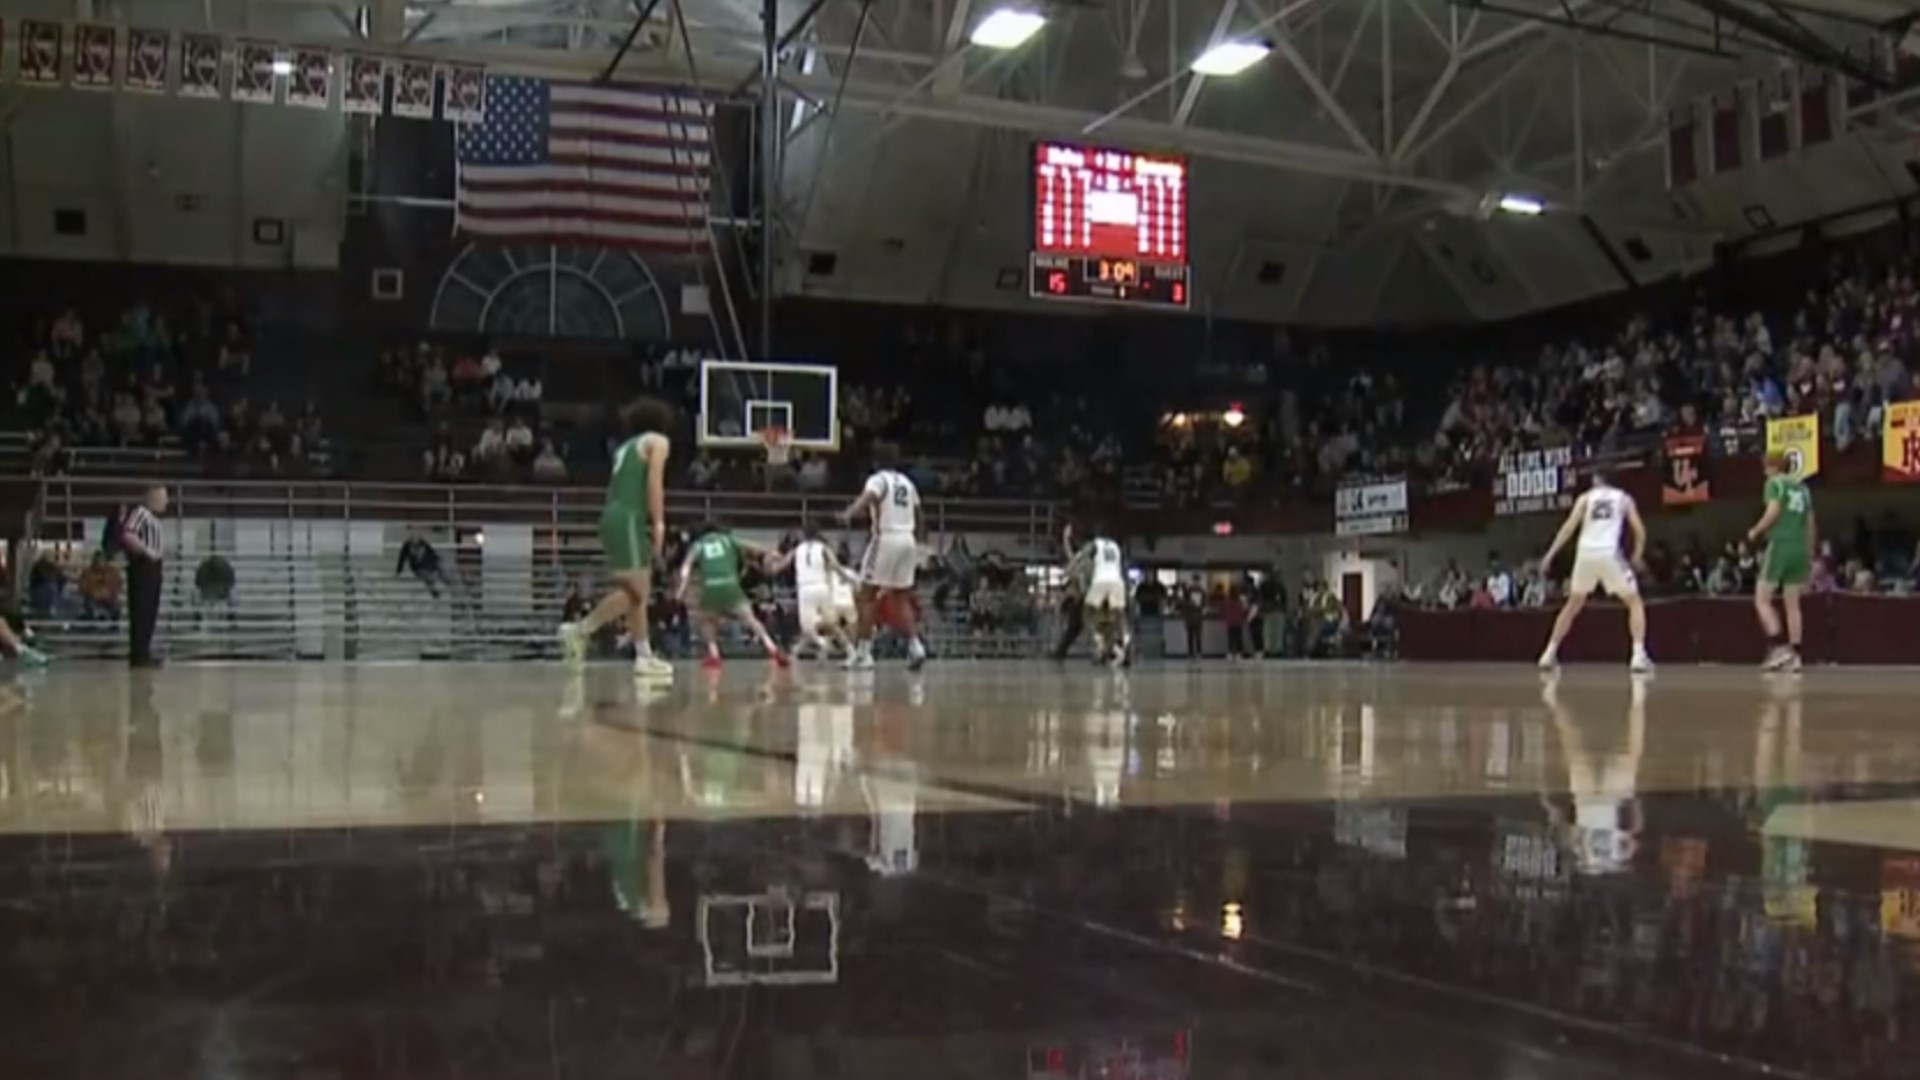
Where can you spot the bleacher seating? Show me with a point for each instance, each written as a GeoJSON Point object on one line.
{"type": "Point", "coordinates": [296, 597]}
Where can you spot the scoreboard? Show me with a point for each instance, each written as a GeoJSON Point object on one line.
{"type": "Point", "coordinates": [1108, 226]}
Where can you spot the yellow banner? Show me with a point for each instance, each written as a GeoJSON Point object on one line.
{"type": "Point", "coordinates": [1900, 443]}
{"type": "Point", "coordinates": [1798, 437]}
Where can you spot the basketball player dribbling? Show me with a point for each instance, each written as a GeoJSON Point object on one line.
{"type": "Point", "coordinates": [815, 572]}
{"type": "Point", "coordinates": [891, 503]}
{"type": "Point", "coordinates": [1598, 515]}
{"type": "Point", "coordinates": [633, 530]}
{"type": "Point", "coordinates": [1106, 596]}
{"type": "Point", "coordinates": [715, 558]}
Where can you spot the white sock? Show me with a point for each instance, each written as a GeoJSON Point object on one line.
{"type": "Point", "coordinates": [642, 649]}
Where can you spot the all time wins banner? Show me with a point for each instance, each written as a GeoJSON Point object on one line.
{"type": "Point", "coordinates": [102, 57]}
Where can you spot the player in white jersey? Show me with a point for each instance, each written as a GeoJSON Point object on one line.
{"type": "Point", "coordinates": [816, 569]}
{"type": "Point", "coordinates": [1106, 596]}
{"type": "Point", "coordinates": [1598, 516]}
{"type": "Point", "coordinates": [891, 502]}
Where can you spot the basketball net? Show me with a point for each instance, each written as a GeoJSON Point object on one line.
{"type": "Point", "coordinates": [778, 444]}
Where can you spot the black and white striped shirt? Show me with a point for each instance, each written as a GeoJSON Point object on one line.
{"type": "Point", "coordinates": [141, 525]}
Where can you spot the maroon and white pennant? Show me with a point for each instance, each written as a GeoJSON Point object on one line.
{"type": "Point", "coordinates": [413, 90]}
{"type": "Point", "coordinates": [40, 52]}
{"type": "Point", "coordinates": [311, 84]}
{"type": "Point", "coordinates": [93, 56]}
{"type": "Point", "coordinates": [146, 65]}
{"type": "Point", "coordinates": [254, 76]}
{"type": "Point", "coordinates": [200, 66]}
{"type": "Point", "coordinates": [365, 89]}
{"type": "Point", "coordinates": [466, 93]}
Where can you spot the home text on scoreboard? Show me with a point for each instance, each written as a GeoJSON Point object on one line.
{"type": "Point", "coordinates": [1109, 226]}
{"type": "Point", "coordinates": [1533, 481]}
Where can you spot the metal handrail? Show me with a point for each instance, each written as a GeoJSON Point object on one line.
{"type": "Point", "coordinates": [72, 499]}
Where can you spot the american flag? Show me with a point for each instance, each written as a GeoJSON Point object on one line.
{"type": "Point", "coordinates": [590, 165]}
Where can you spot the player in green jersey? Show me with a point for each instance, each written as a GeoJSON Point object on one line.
{"type": "Point", "coordinates": [1788, 524]}
{"type": "Point", "coordinates": [633, 529]}
{"type": "Point", "coordinates": [715, 558]}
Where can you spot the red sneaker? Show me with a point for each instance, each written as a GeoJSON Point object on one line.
{"type": "Point", "coordinates": [711, 663]}
{"type": "Point", "coordinates": [780, 659]}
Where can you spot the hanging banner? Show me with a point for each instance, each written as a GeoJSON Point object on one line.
{"type": "Point", "coordinates": [466, 93]}
{"type": "Point", "coordinates": [365, 88]}
{"type": "Point", "coordinates": [200, 66]}
{"type": "Point", "coordinates": [311, 84]}
{"type": "Point", "coordinates": [254, 79]}
{"type": "Point", "coordinates": [93, 56]}
{"type": "Point", "coordinates": [1900, 896]}
{"type": "Point", "coordinates": [1534, 481]}
{"type": "Point", "coordinates": [1685, 481]}
{"type": "Point", "coordinates": [40, 52]}
{"type": "Point", "coordinates": [1900, 442]}
{"type": "Point", "coordinates": [1798, 437]}
{"type": "Point", "coordinates": [413, 90]}
{"type": "Point", "coordinates": [146, 64]}
{"type": "Point", "coordinates": [1370, 509]}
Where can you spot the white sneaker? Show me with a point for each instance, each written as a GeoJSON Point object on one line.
{"type": "Point", "coordinates": [1778, 659]}
{"type": "Point", "coordinates": [1549, 662]}
{"type": "Point", "coordinates": [1642, 663]}
{"type": "Point", "coordinates": [860, 659]}
{"type": "Point", "coordinates": [649, 666]}
{"type": "Point", "coordinates": [573, 644]}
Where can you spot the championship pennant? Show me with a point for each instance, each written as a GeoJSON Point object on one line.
{"type": "Point", "coordinates": [254, 76]}
{"type": "Point", "coordinates": [146, 65]}
{"type": "Point", "coordinates": [93, 56]}
{"type": "Point", "coordinates": [1685, 481]}
{"type": "Point", "coordinates": [311, 84]}
{"type": "Point", "coordinates": [365, 89]}
{"type": "Point", "coordinates": [200, 66]}
{"type": "Point", "coordinates": [40, 53]}
{"type": "Point", "coordinates": [413, 90]}
{"type": "Point", "coordinates": [1900, 442]}
{"type": "Point", "coordinates": [466, 94]}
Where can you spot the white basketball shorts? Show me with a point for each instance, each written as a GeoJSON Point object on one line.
{"type": "Point", "coordinates": [1610, 572]}
{"type": "Point", "coordinates": [890, 561]}
{"type": "Point", "coordinates": [816, 607]}
{"type": "Point", "coordinates": [1107, 595]}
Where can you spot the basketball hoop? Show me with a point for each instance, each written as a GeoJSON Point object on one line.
{"type": "Point", "coordinates": [778, 443]}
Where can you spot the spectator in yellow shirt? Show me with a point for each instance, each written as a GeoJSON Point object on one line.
{"type": "Point", "coordinates": [1237, 469]}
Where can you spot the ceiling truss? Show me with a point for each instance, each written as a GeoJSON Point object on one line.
{"type": "Point", "coordinates": [1442, 100]}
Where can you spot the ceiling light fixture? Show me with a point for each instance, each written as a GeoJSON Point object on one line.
{"type": "Point", "coordinates": [1007, 28]}
{"type": "Point", "coordinates": [1524, 205]}
{"type": "Point", "coordinates": [1231, 58]}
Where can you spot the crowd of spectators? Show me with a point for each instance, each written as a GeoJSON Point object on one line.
{"type": "Point", "coordinates": [485, 419]}
{"type": "Point", "coordinates": [56, 591]}
{"type": "Point", "coordinates": [152, 377]}
{"type": "Point", "coordinates": [1303, 415]}
{"type": "Point", "coordinates": [1864, 558]}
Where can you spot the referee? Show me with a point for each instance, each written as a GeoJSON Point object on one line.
{"type": "Point", "coordinates": [141, 539]}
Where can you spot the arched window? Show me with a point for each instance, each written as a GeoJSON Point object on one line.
{"type": "Point", "coordinates": [551, 291]}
